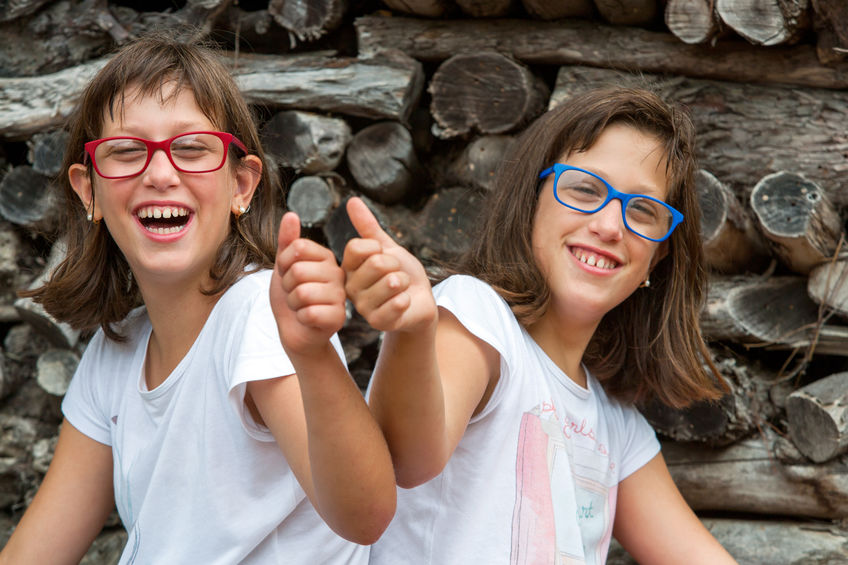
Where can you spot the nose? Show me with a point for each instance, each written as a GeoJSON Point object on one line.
{"type": "Point", "coordinates": [160, 172]}
{"type": "Point", "coordinates": [608, 222]}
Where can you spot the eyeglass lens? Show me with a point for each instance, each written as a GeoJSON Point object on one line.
{"type": "Point", "coordinates": [191, 153]}
{"type": "Point", "coordinates": [583, 192]}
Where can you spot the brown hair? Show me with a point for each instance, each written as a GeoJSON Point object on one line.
{"type": "Point", "coordinates": [649, 346]}
{"type": "Point", "coordinates": [93, 286]}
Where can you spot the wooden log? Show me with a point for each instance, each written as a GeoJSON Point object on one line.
{"type": "Point", "coordinates": [759, 311]}
{"type": "Point", "coordinates": [828, 286]}
{"type": "Point", "coordinates": [830, 22]}
{"type": "Point", "coordinates": [747, 476]}
{"type": "Point", "coordinates": [484, 92]}
{"type": "Point", "coordinates": [26, 199]}
{"type": "Point", "coordinates": [313, 199]}
{"type": "Point", "coordinates": [738, 414]}
{"type": "Point", "coordinates": [478, 162]}
{"type": "Point", "coordinates": [731, 243]}
{"type": "Point", "coordinates": [692, 21]}
{"type": "Point", "coordinates": [16, 9]}
{"type": "Point", "coordinates": [10, 276]}
{"type": "Point", "coordinates": [766, 22]}
{"type": "Point", "coordinates": [256, 29]}
{"type": "Point", "coordinates": [578, 42]}
{"type": "Point", "coordinates": [817, 417]}
{"type": "Point", "coordinates": [307, 142]}
{"type": "Point", "coordinates": [784, 128]}
{"type": "Point", "coordinates": [627, 12]}
{"type": "Point", "coordinates": [486, 8]}
{"type": "Point", "coordinates": [558, 9]}
{"type": "Point", "coordinates": [395, 220]}
{"type": "Point", "coordinates": [307, 20]}
{"type": "Point", "coordinates": [54, 369]}
{"type": "Point", "coordinates": [425, 8]}
{"type": "Point", "coordinates": [386, 86]}
{"type": "Point", "coordinates": [768, 542]}
{"type": "Point", "coordinates": [446, 223]}
{"type": "Point", "coordinates": [46, 151]}
{"type": "Point", "coordinates": [382, 160]}
{"type": "Point", "coordinates": [797, 218]}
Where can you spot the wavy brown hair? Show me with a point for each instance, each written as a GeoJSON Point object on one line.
{"type": "Point", "coordinates": [649, 346]}
{"type": "Point", "coordinates": [93, 286]}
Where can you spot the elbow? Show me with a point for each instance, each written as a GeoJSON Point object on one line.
{"type": "Point", "coordinates": [368, 525]}
{"type": "Point", "coordinates": [412, 476]}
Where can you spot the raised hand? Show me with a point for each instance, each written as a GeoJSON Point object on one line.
{"type": "Point", "coordinates": [307, 290]}
{"type": "Point", "coordinates": [385, 282]}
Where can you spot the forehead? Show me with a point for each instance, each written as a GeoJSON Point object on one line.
{"type": "Point", "coordinates": [138, 105]}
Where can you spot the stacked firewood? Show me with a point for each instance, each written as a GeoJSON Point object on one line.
{"type": "Point", "coordinates": [411, 104]}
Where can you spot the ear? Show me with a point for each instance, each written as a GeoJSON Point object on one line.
{"type": "Point", "coordinates": [81, 183]}
{"type": "Point", "coordinates": [248, 175]}
{"type": "Point", "coordinates": [659, 254]}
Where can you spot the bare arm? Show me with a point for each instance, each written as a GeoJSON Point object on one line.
{"type": "Point", "coordinates": [656, 526]}
{"type": "Point", "coordinates": [319, 418]}
{"type": "Point", "coordinates": [432, 374]}
{"type": "Point", "coordinates": [70, 507]}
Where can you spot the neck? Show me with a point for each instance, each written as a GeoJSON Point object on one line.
{"type": "Point", "coordinates": [564, 341]}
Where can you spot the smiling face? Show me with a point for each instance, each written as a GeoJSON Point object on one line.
{"type": "Point", "coordinates": [168, 224]}
{"type": "Point", "coordinates": [591, 261]}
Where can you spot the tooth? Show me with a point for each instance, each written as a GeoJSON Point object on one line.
{"type": "Point", "coordinates": [591, 261]}
{"type": "Point", "coordinates": [166, 213]}
{"type": "Point", "coordinates": [601, 263]}
{"type": "Point", "coordinates": [157, 213]}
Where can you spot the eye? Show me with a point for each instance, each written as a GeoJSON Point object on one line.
{"type": "Point", "coordinates": [122, 150]}
{"type": "Point", "coordinates": [645, 211]}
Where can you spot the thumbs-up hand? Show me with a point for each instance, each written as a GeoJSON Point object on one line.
{"type": "Point", "coordinates": [307, 290]}
{"type": "Point", "coordinates": [385, 282]}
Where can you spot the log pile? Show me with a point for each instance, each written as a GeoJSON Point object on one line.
{"type": "Point", "coordinates": [411, 104]}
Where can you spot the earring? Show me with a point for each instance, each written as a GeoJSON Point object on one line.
{"type": "Point", "coordinates": [646, 283]}
{"type": "Point", "coordinates": [242, 210]}
{"type": "Point", "coordinates": [89, 217]}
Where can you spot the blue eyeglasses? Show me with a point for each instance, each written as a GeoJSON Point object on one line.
{"type": "Point", "coordinates": [587, 192]}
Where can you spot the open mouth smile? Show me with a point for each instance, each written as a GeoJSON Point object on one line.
{"type": "Point", "coordinates": [163, 220]}
{"type": "Point", "coordinates": [593, 259]}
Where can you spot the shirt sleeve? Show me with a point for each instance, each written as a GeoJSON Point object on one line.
{"type": "Point", "coordinates": [84, 403]}
{"type": "Point", "coordinates": [640, 442]}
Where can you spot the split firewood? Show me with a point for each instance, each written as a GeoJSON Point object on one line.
{"type": "Point", "coordinates": [57, 333]}
{"type": "Point", "coordinates": [731, 243]}
{"type": "Point", "coordinates": [783, 128]}
{"type": "Point", "coordinates": [558, 9]}
{"type": "Point", "coordinates": [397, 221]}
{"type": "Point", "coordinates": [304, 141]}
{"type": "Point", "coordinates": [579, 42]}
{"type": "Point", "coordinates": [817, 417]}
{"type": "Point", "coordinates": [767, 542]}
{"type": "Point", "coordinates": [54, 369]}
{"type": "Point", "coordinates": [828, 285]}
{"type": "Point", "coordinates": [486, 8]}
{"type": "Point", "coordinates": [26, 199]}
{"type": "Point", "coordinates": [628, 12]}
{"type": "Point", "coordinates": [797, 218]}
{"type": "Point", "coordinates": [830, 22]}
{"type": "Point", "coordinates": [484, 92]}
{"type": "Point", "coordinates": [738, 414]}
{"type": "Point", "coordinates": [382, 160]}
{"type": "Point", "coordinates": [774, 22]}
{"type": "Point", "coordinates": [446, 223]}
{"type": "Point", "coordinates": [425, 8]}
{"type": "Point", "coordinates": [693, 21]}
{"type": "Point", "coordinates": [254, 29]}
{"type": "Point", "coordinates": [478, 162]}
{"type": "Point", "coordinates": [307, 20]}
{"type": "Point", "coordinates": [748, 476]}
{"type": "Point", "coordinates": [313, 198]}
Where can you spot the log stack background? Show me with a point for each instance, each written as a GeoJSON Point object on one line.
{"type": "Point", "coordinates": [411, 103]}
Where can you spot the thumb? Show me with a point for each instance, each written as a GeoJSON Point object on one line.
{"type": "Point", "coordinates": [289, 230]}
{"type": "Point", "coordinates": [364, 222]}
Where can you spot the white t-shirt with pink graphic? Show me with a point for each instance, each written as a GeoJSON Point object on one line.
{"type": "Point", "coordinates": [535, 477]}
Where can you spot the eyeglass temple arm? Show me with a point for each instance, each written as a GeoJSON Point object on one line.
{"type": "Point", "coordinates": [546, 172]}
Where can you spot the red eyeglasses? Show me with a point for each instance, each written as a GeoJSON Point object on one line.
{"type": "Point", "coordinates": [192, 152]}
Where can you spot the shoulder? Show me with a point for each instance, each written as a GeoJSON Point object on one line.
{"type": "Point", "coordinates": [465, 289]}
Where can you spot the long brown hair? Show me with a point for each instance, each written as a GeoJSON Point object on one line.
{"type": "Point", "coordinates": [93, 286]}
{"type": "Point", "coordinates": [649, 346]}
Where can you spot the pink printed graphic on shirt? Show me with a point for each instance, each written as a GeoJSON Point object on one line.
{"type": "Point", "coordinates": [563, 510]}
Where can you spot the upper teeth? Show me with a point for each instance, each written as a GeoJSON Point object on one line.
{"type": "Point", "coordinates": [594, 260]}
{"type": "Point", "coordinates": [161, 212]}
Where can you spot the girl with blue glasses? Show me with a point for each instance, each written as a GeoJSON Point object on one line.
{"type": "Point", "coordinates": [507, 392]}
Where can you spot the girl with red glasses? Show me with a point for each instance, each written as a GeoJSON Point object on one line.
{"type": "Point", "coordinates": [507, 392]}
{"type": "Point", "coordinates": [213, 405]}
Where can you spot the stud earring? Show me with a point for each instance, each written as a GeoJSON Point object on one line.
{"type": "Point", "coordinates": [89, 217]}
{"type": "Point", "coordinates": [646, 283]}
{"type": "Point", "coordinates": [242, 210]}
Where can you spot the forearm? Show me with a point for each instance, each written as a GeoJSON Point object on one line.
{"type": "Point", "coordinates": [349, 464]}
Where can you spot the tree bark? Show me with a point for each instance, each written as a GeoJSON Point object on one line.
{"type": "Point", "coordinates": [830, 21]}
{"type": "Point", "coordinates": [486, 8]}
{"type": "Point", "coordinates": [484, 92]}
{"type": "Point", "coordinates": [558, 9]}
{"type": "Point", "coordinates": [628, 12]}
{"type": "Point", "coordinates": [425, 8]}
{"type": "Point", "coordinates": [797, 218]}
{"type": "Point", "coordinates": [576, 42]}
{"type": "Point", "coordinates": [766, 22]}
{"type": "Point", "coordinates": [307, 19]}
{"type": "Point", "coordinates": [692, 21]}
{"type": "Point", "coordinates": [817, 417]}
{"type": "Point", "coordinates": [307, 142]}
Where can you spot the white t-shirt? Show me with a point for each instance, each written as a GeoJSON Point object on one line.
{"type": "Point", "coordinates": [196, 479]}
{"type": "Point", "coordinates": [535, 477]}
